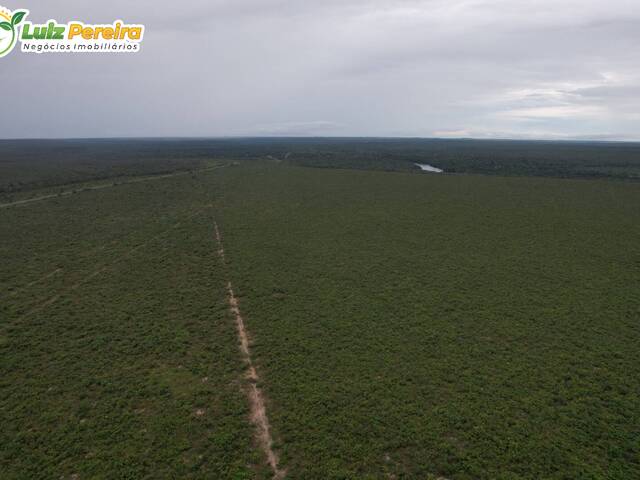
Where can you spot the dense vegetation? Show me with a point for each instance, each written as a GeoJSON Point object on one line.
{"type": "Point", "coordinates": [28, 164]}
{"type": "Point", "coordinates": [118, 356]}
{"type": "Point", "coordinates": [465, 326]}
{"type": "Point", "coordinates": [404, 326]}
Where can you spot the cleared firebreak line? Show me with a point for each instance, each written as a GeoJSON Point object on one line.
{"type": "Point", "coordinates": [256, 398]}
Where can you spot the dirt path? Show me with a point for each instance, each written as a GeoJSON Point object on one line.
{"type": "Point", "coordinates": [36, 281]}
{"type": "Point", "coordinates": [45, 303]}
{"type": "Point", "coordinates": [256, 398]}
{"type": "Point", "coordinates": [81, 189]}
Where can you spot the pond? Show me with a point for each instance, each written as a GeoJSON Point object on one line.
{"type": "Point", "coordinates": [425, 167]}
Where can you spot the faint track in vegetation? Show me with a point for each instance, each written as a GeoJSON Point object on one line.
{"type": "Point", "coordinates": [54, 272]}
{"type": "Point", "coordinates": [67, 193]}
{"type": "Point", "coordinates": [55, 298]}
{"type": "Point", "coordinates": [256, 398]}
{"type": "Point", "coordinates": [36, 281]}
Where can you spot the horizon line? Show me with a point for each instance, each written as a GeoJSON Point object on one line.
{"type": "Point", "coordinates": [593, 139]}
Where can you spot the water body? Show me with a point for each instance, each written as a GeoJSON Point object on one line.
{"type": "Point", "coordinates": [428, 168]}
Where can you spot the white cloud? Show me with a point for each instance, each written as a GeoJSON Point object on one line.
{"type": "Point", "coordinates": [562, 111]}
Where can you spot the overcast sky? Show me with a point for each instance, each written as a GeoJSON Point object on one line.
{"type": "Point", "coordinates": [445, 68]}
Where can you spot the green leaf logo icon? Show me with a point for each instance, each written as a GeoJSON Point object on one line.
{"type": "Point", "coordinates": [10, 26]}
{"type": "Point", "coordinates": [17, 17]}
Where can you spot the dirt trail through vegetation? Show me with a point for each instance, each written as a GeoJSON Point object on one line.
{"type": "Point", "coordinates": [256, 399]}
{"type": "Point", "coordinates": [95, 273]}
{"type": "Point", "coordinates": [36, 281]}
{"type": "Point", "coordinates": [81, 189]}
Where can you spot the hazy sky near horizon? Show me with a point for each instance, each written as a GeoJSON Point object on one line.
{"type": "Point", "coordinates": [558, 69]}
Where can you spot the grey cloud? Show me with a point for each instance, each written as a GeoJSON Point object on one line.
{"type": "Point", "coordinates": [625, 92]}
{"type": "Point", "coordinates": [486, 68]}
